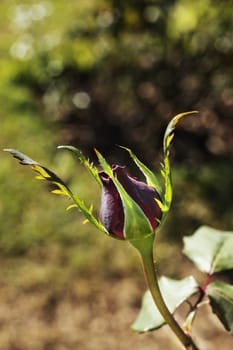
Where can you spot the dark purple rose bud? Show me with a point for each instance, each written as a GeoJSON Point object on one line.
{"type": "Point", "coordinates": [111, 210]}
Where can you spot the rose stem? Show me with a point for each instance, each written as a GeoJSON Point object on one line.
{"type": "Point", "coordinates": [145, 249]}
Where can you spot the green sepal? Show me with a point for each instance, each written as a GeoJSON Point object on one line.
{"type": "Point", "coordinates": [46, 174]}
{"type": "Point", "coordinates": [89, 166]}
{"type": "Point", "coordinates": [151, 178]}
{"type": "Point", "coordinates": [88, 214]}
{"type": "Point", "coordinates": [136, 225]}
{"type": "Point", "coordinates": [104, 164]}
{"type": "Point", "coordinates": [221, 301]}
{"type": "Point", "coordinates": [175, 292]}
{"type": "Point", "coordinates": [166, 168]}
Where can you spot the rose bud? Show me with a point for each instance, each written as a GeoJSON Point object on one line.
{"type": "Point", "coordinates": [112, 213]}
{"type": "Point", "coordinates": [130, 209]}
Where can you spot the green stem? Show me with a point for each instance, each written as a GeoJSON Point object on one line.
{"type": "Point", "coordinates": [145, 250]}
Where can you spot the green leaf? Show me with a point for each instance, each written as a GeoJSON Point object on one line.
{"type": "Point", "coordinates": [149, 175]}
{"type": "Point", "coordinates": [166, 168]}
{"type": "Point", "coordinates": [90, 167]}
{"type": "Point", "coordinates": [175, 293]}
{"type": "Point", "coordinates": [48, 175]}
{"type": "Point", "coordinates": [211, 250]}
{"type": "Point", "coordinates": [221, 301]}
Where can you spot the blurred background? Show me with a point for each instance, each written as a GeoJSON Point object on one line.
{"type": "Point", "coordinates": [102, 73]}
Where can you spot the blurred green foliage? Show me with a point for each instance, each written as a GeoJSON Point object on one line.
{"type": "Point", "coordinates": [100, 73]}
{"type": "Point", "coordinates": [112, 72]}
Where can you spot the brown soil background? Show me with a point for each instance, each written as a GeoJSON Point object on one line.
{"type": "Point", "coordinates": [90, 315]}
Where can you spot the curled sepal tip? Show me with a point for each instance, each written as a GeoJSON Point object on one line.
{"type": "Point", "coordinates": [166, 168]}
{"type": "Point", "coordinates": [44, 173]}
